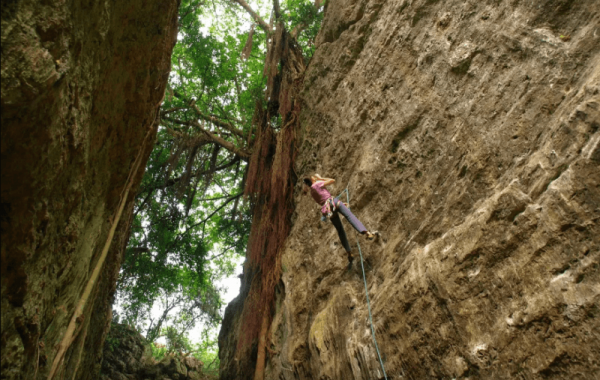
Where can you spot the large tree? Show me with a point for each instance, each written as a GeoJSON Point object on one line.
{"type": "Point", "coordinates": [190, 219]}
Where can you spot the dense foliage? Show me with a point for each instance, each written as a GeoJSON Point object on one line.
{"type": "Point", "coordinates": [191, 222]}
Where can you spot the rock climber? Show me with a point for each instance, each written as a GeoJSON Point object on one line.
{"type": "Point", "coordinates": [331, 207]}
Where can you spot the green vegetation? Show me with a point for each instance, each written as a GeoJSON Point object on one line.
{"type": "Point", "coordinates": [205, 350]}
{"type": "Point", "coordinates": [191, 222]}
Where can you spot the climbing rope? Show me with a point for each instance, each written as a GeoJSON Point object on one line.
{"type": "Point", "coordinates": [366, 290]}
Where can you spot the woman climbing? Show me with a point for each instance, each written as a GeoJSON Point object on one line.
{"type": "Point", "coordinates": [330, 207]}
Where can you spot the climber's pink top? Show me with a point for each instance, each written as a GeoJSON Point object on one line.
{"type": "Point", "coordinates": [320, 194]}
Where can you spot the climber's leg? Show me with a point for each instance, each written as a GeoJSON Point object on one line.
{"type": "Point", "coordinates": [337, 222]}
{"type": "Point", "coordinates": [350, 217]}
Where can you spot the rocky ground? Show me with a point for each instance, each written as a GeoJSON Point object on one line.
{"type": "Point", "coordinates": [468, 135]}
{"type": "Point", "coordinates": [128, 356]}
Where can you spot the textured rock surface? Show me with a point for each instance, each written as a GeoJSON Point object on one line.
{"type": "Point", "coordinates": [127, 355]}
{"type": "Point", "coordinates": [81, 85]}
{"type": "Point", "coordinates": [468, 132]}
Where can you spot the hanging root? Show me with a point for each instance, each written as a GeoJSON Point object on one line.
{"type": "Point", "coordinates": [270, 186]}
{"type": "Point", "coordinates": [72, 329]}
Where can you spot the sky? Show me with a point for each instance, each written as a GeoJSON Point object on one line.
{"type": "Point", "coordinates": [232, 289]}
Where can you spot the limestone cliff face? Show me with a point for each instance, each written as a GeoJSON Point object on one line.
{"type": "Point", "coordinates": [81, 85]}
{"type": "Point", "coordinates": [468, 132]}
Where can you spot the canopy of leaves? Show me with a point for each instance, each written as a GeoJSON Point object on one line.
{"type": "Point", "coordinates": [191, 223]}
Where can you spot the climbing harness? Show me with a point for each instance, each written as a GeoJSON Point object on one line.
{"type": "Point", "coordinates": [366, 290]}
{"type": "Point", "coordinates": [330, 206]}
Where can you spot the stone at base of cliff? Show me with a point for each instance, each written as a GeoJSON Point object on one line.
{"type": "Point", "coordinates": [127, 355]}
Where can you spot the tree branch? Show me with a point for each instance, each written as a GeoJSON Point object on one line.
{"type": "Point", "coordinates": [188, 229]}
{"type": "Point", "coordinates": [298, 29]}
{"type": "Point", "coordinates": [154, 333]}
{"type": "Point", "coordinates": [276, 9]}
{"type": "Point", "coordinates": [263, 25]}
{"type": "Point", "coordinates": [144, 202]}
{"type": "Point", "coordinates": [190, 9]}
{"type": "Point", "coordinates": [238, 92]}
{"type": "Point", "coordinates": [219, 122]}
{"type": "Point", "coordinates": [210, 118]}
{"type": "Point", "coordinates": [140, 249]}
{"type": "Point", "coordinates": [172, 110]}
{"type": "Point", "coordinates": [243, 153]}
{"type": "Point", "coordinates": [214, 212]}
{"type": "Point", "coordinates": [173, 181]}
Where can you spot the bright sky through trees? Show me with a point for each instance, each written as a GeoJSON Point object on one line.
{"type": "Point", "coordinates": [191, 222]}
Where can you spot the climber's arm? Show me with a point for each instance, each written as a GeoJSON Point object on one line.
{"type": "Point", "coordinates": [327, 181]}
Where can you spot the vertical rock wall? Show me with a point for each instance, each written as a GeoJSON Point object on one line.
{"type": "Point", "coordinates": [81, 85]}
{"type": "Point", "coordinates": [469, 135]}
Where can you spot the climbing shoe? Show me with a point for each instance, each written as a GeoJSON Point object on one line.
{"type": "Point", "coordinates": [350, 259]}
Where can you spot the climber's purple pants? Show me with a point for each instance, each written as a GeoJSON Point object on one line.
{"type": "Point", "coordinates": [337, 222]}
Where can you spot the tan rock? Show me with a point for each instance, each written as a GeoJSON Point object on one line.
{"type": "Point", "coordinates": [192, 363]}
{"type": "Point", "coordinates": [472, 145]}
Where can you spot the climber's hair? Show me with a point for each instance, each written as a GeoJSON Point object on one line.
{"type": "Point", "coordinates": [308, 181]}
